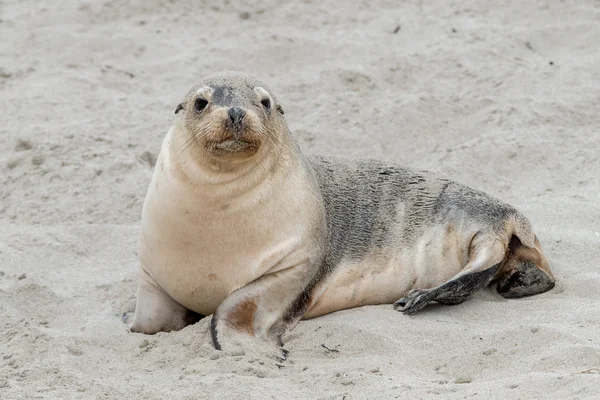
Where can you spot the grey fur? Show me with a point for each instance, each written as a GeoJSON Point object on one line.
{"type": "Point", "coordinates": [232, 89]}
{"type": "Point", "coordinates": [362, 199]}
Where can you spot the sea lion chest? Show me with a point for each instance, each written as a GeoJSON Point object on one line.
{"type": "Point", "coordinates": [200, 247]}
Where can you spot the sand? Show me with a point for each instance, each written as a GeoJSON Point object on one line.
{"type": "Point", "coordinates": [502, 97]}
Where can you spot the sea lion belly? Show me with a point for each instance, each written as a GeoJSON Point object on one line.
{"type": "Point", "coordinates": [384, 275]}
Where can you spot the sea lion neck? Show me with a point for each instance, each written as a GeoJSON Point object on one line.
{"type": "Point", "coordinates": [214, 177]}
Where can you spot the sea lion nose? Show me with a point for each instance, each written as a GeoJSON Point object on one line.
{"type": "Point", "coordinates": [236, 114]}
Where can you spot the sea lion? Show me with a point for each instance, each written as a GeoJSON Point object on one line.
{"type": "Point", "coordinates": [238, 223]}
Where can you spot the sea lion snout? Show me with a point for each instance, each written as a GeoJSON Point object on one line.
{"type": "Point", "coordinates": [236, 122]}
{"type": "Point", "coordinates": [236, 115]}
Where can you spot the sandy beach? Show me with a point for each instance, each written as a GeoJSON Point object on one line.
{"type": "Point", "coordinates": [504, 97]}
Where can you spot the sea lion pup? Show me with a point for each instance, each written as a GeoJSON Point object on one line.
{"type": "Point", "coordinates": [238, 223]}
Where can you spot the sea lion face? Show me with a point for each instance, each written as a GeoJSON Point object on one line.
{"type": "Point", "coordinates": [232, 116]}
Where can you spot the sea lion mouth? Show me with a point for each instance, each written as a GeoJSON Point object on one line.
{"type": "Point", "coordinates": [233, 145]}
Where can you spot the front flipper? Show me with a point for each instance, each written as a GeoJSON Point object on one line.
{"type": "Point", "coordinates": [156, 311]}
{"type": "Point", "coordinates": [256, 316]}
{"type": "Point", "coordinates": [484, 263]}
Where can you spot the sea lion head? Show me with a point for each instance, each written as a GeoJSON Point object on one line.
{"type": "Point", "coordinates": [232, 116]}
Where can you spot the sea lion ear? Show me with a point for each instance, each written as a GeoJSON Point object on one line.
{"type": "Point", "coordinates": [280, 109]}
{"type": "Point", "coordinates": [179, 108]}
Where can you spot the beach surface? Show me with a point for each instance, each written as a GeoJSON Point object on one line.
{"type": "Point", "coordinates": [502, 96]}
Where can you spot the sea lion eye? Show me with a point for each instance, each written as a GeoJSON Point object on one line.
{"type": "Point", "coordinates": [266, 103]}
{"type": "Point", "coordinates": [200, 104]}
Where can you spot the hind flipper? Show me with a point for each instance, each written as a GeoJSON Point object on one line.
{"type": "Point", "coordinates": [526, 271]}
